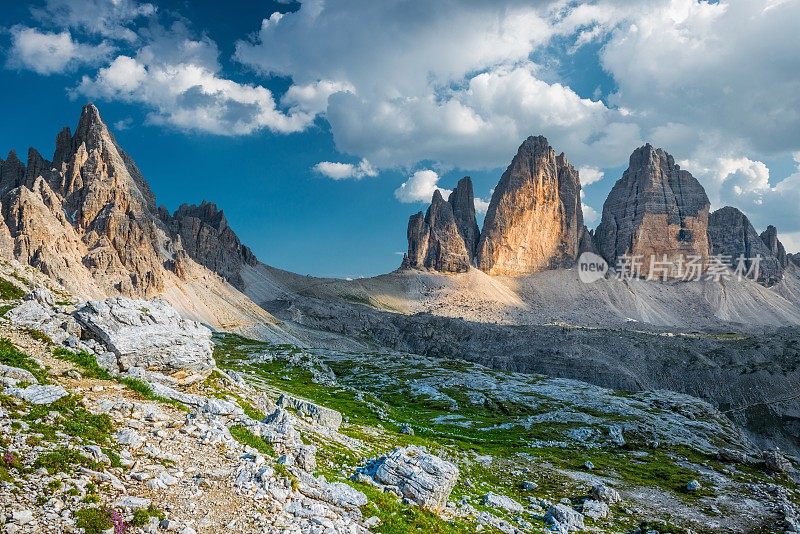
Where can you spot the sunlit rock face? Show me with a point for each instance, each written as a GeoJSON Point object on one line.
{"type": "Point", "coordinates": [86, 214]}
{"type": "Point", "coordinates": [534, 221]}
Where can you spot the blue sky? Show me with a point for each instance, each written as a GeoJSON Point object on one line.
{"type": "Point", "coordinates": [303, 120]}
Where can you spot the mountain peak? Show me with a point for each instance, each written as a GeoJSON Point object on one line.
{"type": "Point", "coordinates": [534, 221]}
{"type": "Point", "coordinates": [655, 210]}
{"type": "Point", "coordinates": [90, 115]}
{"type": "Point", "coordinates": [91, 128]}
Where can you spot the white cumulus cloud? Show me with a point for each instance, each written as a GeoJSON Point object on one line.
{"type": "Point", "coordinates": [344, 171]}
{"type": "Point", "coordinates": [178, 78]}
{"type": "Point", "coordinates": [51, 53]}
{"type": "Point", "coordinates": [589, 175]}
{"type": "Point", "coordinates": [107, 18]}
{"type": "Point", "coordinates": [420, 187]}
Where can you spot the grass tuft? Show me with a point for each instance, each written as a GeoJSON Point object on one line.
{"type": "Point", "coordinates": [9, 291]}
{"type": "Point", "coordinates": [10, 355]}
{"type": "Point", "coordinates": [245, 437]}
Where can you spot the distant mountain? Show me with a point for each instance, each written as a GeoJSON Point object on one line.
{"type": "Point", "coordinates": [535, 222]}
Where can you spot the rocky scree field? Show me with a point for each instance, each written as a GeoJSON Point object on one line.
{"type": "Point", "coordinates": [107, 427]}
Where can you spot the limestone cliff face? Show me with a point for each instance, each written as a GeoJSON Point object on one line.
{"type": "Point", "coordinates": [732, 236]}
{"type": "Point", "coordinates": [655, 209]}
{"type": "Point", "coordinates": [86, 212]}
{"type": "Point", "coordinates": [435, 241]}
{"type": "Point", "coordinates": [535, 220]}
{"type": "Point", "coordinates": [207, 238]}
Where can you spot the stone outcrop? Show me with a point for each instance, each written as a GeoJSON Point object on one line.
{"type": "Point", "coordinates": [733, 237]}
{"type": "Point", "coordinates": [150, 335]}
{"type": "Point", "coordinates": [534, 221]}
{"type": "Point", "coordinates": [38, 394]}
{"type": "Point", "coordinates": [209, 240]}
{"type": "Point", "coordinates": [417, 475]}
{"type": "Point", "coordinates": [770, 239]}
{"type": "Point", "coordinates": [655, 210]}
{"type": "Point", "coordinates": [321, 415]}
{"type": "Point", "coordinates": [462, 201]}
{"type": "Point", "coordinates": [435, 240]}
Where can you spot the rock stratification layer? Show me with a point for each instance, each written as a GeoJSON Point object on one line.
{"type": "Point", "coordinates": [733, 237]}
{"type": "Point", "coordinates": [445, 238]}
{"type": "Point", "coordinates": [534, 221]}
{"type": "Point", "coordinates": [655, 210]}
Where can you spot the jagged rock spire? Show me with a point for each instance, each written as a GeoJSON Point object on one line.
{"type": "Point", "coordinates": [91, 129]}
{"type": "Point", "coordinates": [12, 172]}
{"type": "Point", "coordinates": [535, 220]}
{"type": "Point", "coordinates": [207, 238]}
{"type": "Point", "coordinates": [731, 235]}
{"type": "Point", "coordinates": [63, 146]}
{"type": "Point", "coordinates": [770, 239]}
{"type": "Point", "coordinates": [462, 202]}
{"type": "Point", "coordinates": [435, 242]}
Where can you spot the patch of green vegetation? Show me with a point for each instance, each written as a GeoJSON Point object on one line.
{"type": "Point", "coordinates": [376, 410]}
{"type": "Point", "coordinates": [72, 419]}
{"type": "Point", "coordinates": [8, 460]}
{"type": "Point", "coordinates": [358, 299]}
{"type": "Point", "coordinates": [10, 403]}
{"type": "Point", "coordinates": [139, 386]}
{"type": "Point", "coordinates": [39, 336]}
{"type": "Point", "coordinates": [10, 355]}
{"type": "Point", "coordinates": [146, 392]}
{"type": "Point", "coordinates": [93, 520]}
{"type": "Point", "coordinates": [141, 516]}
{"type": "Point", "coordinates": [249, 410]}
{"type": "Point", "coordinates": [91, 369]}
{"type": "Point", "coordinates": [656, 469]}
{"type": "Point", "coordinates": [116, 461]}
{"type": "Point", "coordinates": [245, 437]}
{"type": "Point", "coordinates": [4, 309]}
{"type": "Point", "coordinates": [85, 361]}
{"type": "Point", "coordinates": [9, 291]}
{"type": "Point", "coordinates": [397, 518]}
{"type": "Point", "coordinates": [215, 382]}
{"type": "Point", "coordinates": [63, 460]}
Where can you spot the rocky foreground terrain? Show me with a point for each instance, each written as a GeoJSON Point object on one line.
{"type": "Point", "coordinates": [121, 416]}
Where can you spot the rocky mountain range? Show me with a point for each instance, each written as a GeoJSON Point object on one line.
{"type": "Point", "coordinates": [88, 220]}
{"type": "Point", "coordinates": [656, 210]}
{"type": "Point", "coordinates": [445, 352]}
